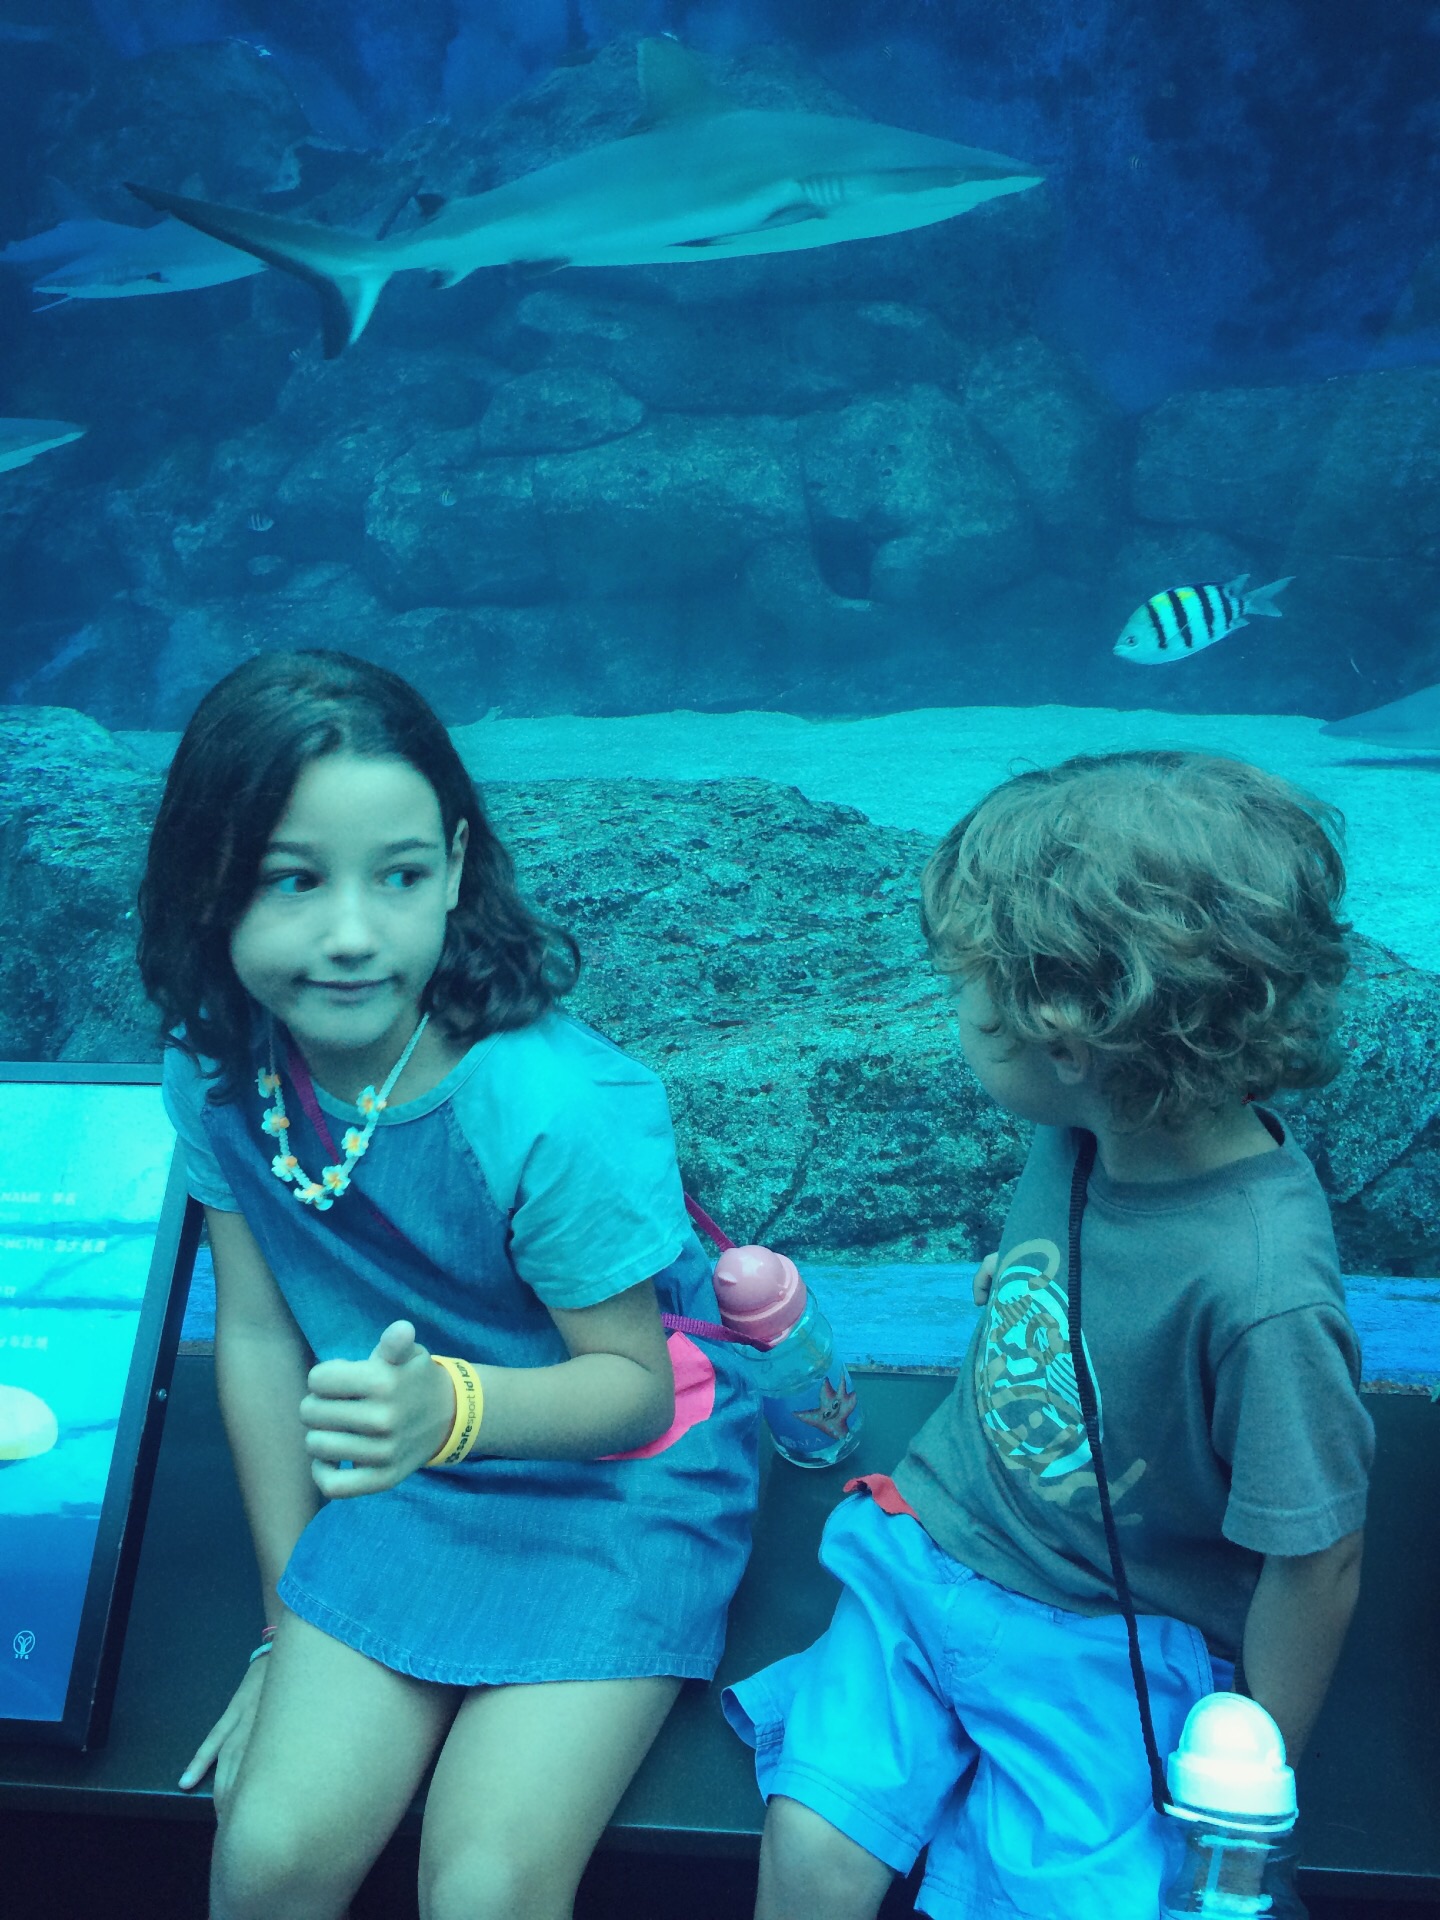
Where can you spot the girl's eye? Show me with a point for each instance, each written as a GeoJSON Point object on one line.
{"type": "Point", "coordinates": [273, 881]}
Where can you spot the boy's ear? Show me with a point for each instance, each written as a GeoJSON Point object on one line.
{"type": "Point", "coordinates": [1070, 1057]}
{"type": "Point", "coordinates": [1071, 1060]}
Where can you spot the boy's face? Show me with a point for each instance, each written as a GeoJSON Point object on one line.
{"type": "Point", "coordinates": [1034, 1083]}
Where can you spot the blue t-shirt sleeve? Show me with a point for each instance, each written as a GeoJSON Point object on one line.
{"type": "Point", "coordinates": [183, 1089]}
{"type": "Point", "coordinates": [598, 1205]}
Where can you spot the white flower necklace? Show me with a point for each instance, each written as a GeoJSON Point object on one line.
{"type": "Point", "coordinates": [333, 1181]}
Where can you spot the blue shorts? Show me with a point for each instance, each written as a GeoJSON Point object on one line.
{"type": "Point", "coordinates": [940, 1710]}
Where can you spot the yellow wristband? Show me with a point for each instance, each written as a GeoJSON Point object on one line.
{"type": "Point", "coordinates": [469, 1410]}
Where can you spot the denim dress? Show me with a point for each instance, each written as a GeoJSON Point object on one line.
{"type": "Point", "coordinates": [495, 1571]}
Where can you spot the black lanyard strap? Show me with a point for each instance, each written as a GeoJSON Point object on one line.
{"type": "Point", "coordinates": [1090, 1412]}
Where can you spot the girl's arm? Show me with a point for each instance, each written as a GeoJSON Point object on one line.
{"type": "Point", "coordinates": [261, 1363]}
{"type": "Point", "coordinates": [260, 1367]}
{"type": "Point", "coordinates": [391, 1413]}
{"type": "Point", "coordinates": [615, 1392]}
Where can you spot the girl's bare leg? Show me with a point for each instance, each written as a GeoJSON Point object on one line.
{"type": "Point", "coordinates": [525, 1785]}
{"type": "Point", "coordinates": [338, 1748]}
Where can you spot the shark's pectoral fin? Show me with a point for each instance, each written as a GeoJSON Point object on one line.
{"type": "Point", "coordinates": [782, 217]}
{"type": "Point", "coordinates": [430, 204]}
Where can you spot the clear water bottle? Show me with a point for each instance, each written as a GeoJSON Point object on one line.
{"type": "Point", "coordinates": [807, 1394]}
{"type": "Point", "coordinates": [1232, 1790]}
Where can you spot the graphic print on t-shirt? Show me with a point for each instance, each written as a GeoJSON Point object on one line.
{"type": "Point", "coordinates": [1025, 1387]}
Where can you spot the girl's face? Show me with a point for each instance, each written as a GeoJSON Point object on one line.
{"type": "Point", "coordinates": [1033, 1082]}
{"type": "Point", "coordinates": [353, 890]}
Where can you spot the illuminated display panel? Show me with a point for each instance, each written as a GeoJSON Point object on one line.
{"type": "Point", "coordinates": [95, 1229]}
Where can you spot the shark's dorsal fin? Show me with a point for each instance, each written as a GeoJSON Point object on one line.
{"type": "Point", "coordinates": [673, 85]}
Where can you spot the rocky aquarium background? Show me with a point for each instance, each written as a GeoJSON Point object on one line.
{"type": "Point", "coordinates": [761, 952]}
{"type": "Point", "coordinates": [937, 470]}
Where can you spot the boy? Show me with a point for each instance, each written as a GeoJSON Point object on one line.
{"type": "Point", "coordinates": [1142, 944]}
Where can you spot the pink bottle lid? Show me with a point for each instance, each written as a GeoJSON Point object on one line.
{"type": "Point", "coordinates": [761, 1293]}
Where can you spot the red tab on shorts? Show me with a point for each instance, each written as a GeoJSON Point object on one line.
{"type": "Point", "coordinates": [884, 1492]}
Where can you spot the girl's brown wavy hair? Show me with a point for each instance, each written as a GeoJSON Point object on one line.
{"type": "Point", "coordinates": [1174, 912]}
{"type": "Point", "coordinates": [237, 763]}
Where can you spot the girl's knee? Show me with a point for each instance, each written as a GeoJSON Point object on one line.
{"type": "Point", "coordinates": [808, 1867]}
{"type": "Point", "coordinates": [265, 1869]}
{"type": "Point", "coordinates": [492, 1886]}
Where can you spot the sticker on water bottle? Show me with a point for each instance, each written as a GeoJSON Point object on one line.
{"type": "Point", "coordinates": [816, 1427]}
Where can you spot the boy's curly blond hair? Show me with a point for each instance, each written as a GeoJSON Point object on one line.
{"type": "Point", "coordinates": [1174, 912]}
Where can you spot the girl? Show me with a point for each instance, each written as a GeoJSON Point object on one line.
{"type": "Point", "coordinates": [498, 1518]}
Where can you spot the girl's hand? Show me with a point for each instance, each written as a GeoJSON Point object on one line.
{"type": "Point", "coordinates": [984, 1275]}
{"type": "Point", "coordinates": [389, 1415]}
{"type": "Point", "coordinates": [224, 1746]}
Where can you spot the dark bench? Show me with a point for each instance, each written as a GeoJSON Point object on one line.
{"type": "Point", "coordinates": [1370, 1785]}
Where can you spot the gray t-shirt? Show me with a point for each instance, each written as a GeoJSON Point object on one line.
{"type": "Point", "coordinates": [1227, 1375]}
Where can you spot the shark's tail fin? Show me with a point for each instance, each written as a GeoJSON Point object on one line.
{"type": "Point", "coordinates": [1262, 600]}
{"type": "Point", "coordinates": [347, 271]}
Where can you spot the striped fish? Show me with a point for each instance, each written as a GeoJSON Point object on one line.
{"type": "Point", "coordinates": [1183, 619]}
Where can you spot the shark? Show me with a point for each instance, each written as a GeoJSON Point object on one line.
{"type": "Point", "coordinates": [1413, 722]}
{"type": "Point", "coordinates": [22, 441]}
{"type": "Point", "coordinates": [67, 241]}
{"type": "Point", "coordinates": [701, 178]}
{"type": "Point", "coordinates": [86, 259]}
{"type": "Point", "coordinates": [170, 257]}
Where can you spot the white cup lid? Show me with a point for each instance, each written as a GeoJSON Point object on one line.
{"type": "Point", "coordinates": [1231, 1760]}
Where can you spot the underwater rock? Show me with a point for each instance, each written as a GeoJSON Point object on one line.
{"type": "Point", "coordinates": [877, 343]}
{"type": "Point", "coordinates": [445, 524]}
{"type": "Point", "coordinates": [680, 499]}
{"type": "Point", "coordinates": [734, 356]}
{"type": "Point", "coordinates": [1064, 439]}
{"type": "Point", "coordinates": [218, 116]}
{"type": "Point", "coordinates": [719, 358]}
{"type": "Point", "coordinates": [397, 393]}
{"type": "Point", "coordinates": [909, 506]}
{"type": "Point", "coordinates": [313, 606]}
{"type": "Point", "coordinates": [1349, 465]}
{"type": "Point", "coordinates": [1240, 460]}
{"type": "Point", "coordinates": [339, 428]}
{"type": "Point", "coordinates": [762, 952]}
{"type": "Point", "coordinates": [557, 410]}
{"type": "Point", "coordinates": [191, 524]}
{"type": "Point", "coordinates": [1377, 493]}
{"type": "Point", "coordinates": [74, 812]}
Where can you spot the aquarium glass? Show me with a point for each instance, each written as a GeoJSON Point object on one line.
{"type": "Point", "coordinates": [757, 427]}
